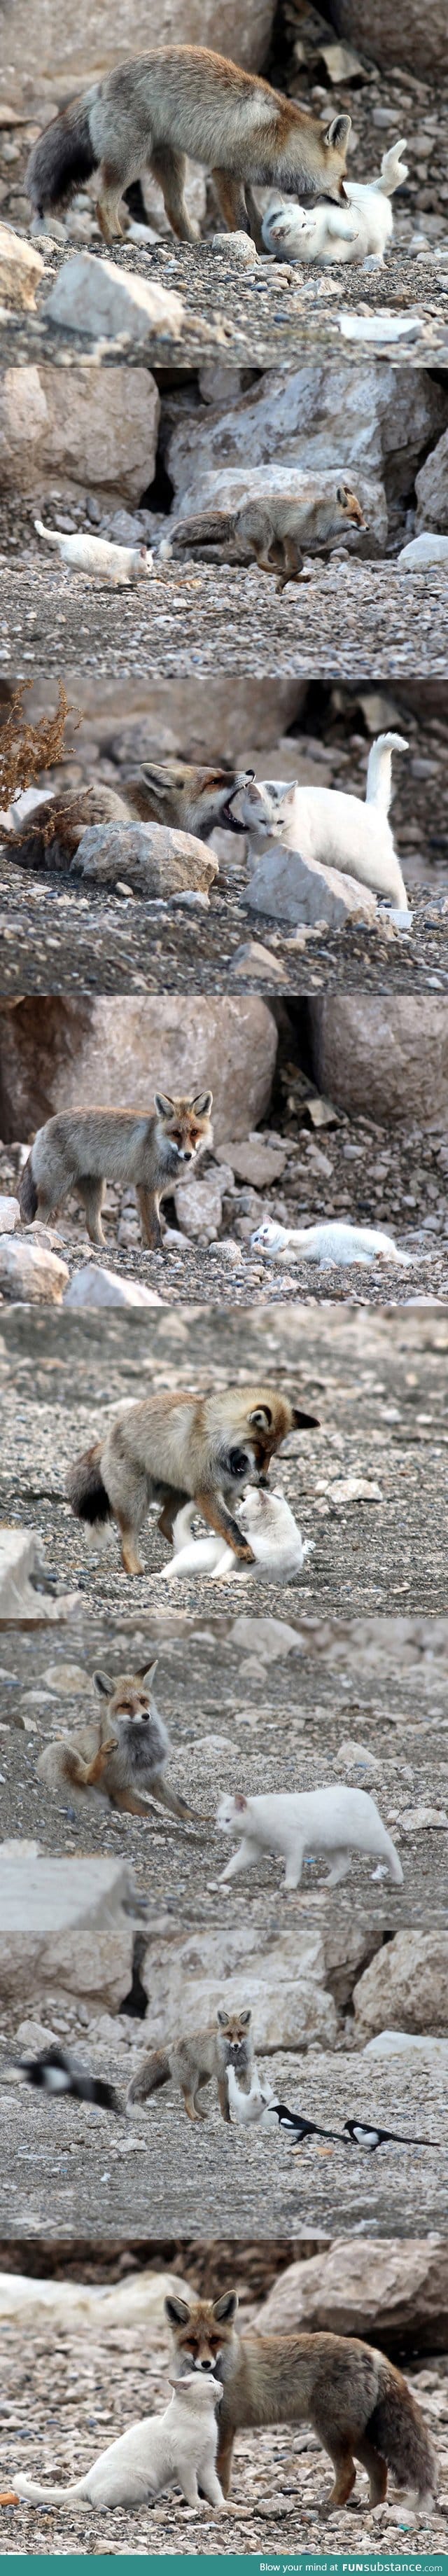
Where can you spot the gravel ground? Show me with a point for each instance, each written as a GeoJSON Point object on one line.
{"type": "Point", "coordinates": [252, 314]}
{"type": "Point", "coordinates": [277, 2479]}
{"type": "Point", "coordinates": [353, 620]}
{"type": "Point", "coordinates": [376, 1381]}
{"type": "Point", "coordinates": [121, 944]}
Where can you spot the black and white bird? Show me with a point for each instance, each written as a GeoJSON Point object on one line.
{"type": "Point", "coordinates": [298, 2127]}
{"type": "Point", "coordinates": [262, 2106]}
{"type": "Point", "coordinates": [364, 2133]}
{"type": "Point", "coordinates": [57, 2073]}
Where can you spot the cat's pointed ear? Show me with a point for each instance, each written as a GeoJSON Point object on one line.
{"type": "Point", "coordinates": [239, 1802]}
{"type": "Point", "coordinates": [289, 795]}
{"type": "Point", "coordinates": [226, 2308]}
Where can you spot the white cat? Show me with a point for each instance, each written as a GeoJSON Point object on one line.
{"type": "Point", "coordinates": [268, 1524]}
{"type": "Point", "coordinates": [356, 229]}
{"type": "Point", "coordinates": [329, 1243]}
{"type": "Point", "coordinates": [99, 556]}
{"type": "Point", "coordinates": [424, 550]}
{"type": "Point", "coordinates": [252, 2107]}
{"type": "Point", "coordinates": [336, 1820]}
{"type": "Point", "coordinates": [323, 823]}
{"type": "Point", "coordinates": [174, 2449]}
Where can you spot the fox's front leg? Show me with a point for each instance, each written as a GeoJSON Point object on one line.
{"type": "Point", "coordinates": [165, 1797]}
{"type": "Point", "coordinates": [232, 202]}
{"type": "Point", "coordinates": [148, 1204]}
{"type": "Point", "coordinates": [214, 1512]}
{"type": "Point", "coordinates": [94, 1769]}
{"type": "Point", "coordinates": [169, 168]}
{"type": "Point", "coordinates": [223, 2099]}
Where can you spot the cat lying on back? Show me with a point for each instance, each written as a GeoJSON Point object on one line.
{"type": "Point", "coordinates": [356, 229]}
{"type": "Point", "coordinates": [340, 831]}
{"type": "Point", "coordinates": [330, 1243]}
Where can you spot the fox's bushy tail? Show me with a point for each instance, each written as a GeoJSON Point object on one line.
{"type": "Point", "coordinates": [85, 1489]}
{"type": "Point", "coordinates": [28, 1197]}
{"type": "Point", "coordinates": [204, 528]}
{"type": "Point", "coordinates": [62, 159]}
{"type": "Point", "coordinates": [148, 2078]}
{"type": "Point", "coordinates": [379, 773]}
{"type": "Point", "coordinates": [399, 2432]}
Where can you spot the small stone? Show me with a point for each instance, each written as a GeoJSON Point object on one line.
{"type": "Point", "coordinates": [92, 296]}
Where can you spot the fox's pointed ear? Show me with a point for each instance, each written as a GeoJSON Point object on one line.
{"type": "Point", "coordinates": [305, 1421]}
{"type": "Point", "coordinates": [246, 2017]}
{"type": "Point", "coordinates": [202, 1101]}
{"type": "Point", "coordinates": [337, 133]}
{"type": "Point", "coordinates": [103, 1684]}
{"type": "Point", "coordinates": [163, 1104]}
{"type": "Point", "coordinates": [222, 2017]}
{"type": "Point", "coordinates": [177, 2311]}
{"type": "Point", "coordinates": [224, 2309]}
{"type": "Point", "coordinates": [148, 1676]}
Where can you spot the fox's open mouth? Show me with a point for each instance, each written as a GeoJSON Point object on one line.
{"type": "Point", "coordinates": [231, 820]}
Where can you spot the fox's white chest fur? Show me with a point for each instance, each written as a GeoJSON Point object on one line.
{"type": "Point", "coordinates": [336, 1820]}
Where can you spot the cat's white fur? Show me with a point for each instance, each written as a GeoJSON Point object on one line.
{"type": "Point", "coordinates": [356, 229]}
{"type": "Point", "coordinates": [177, 2448]}
{"type": "Point", "coordinates": [268, 1524]}
{"type": "Point", "coordinates": [424, 550]}
{"type": "Point", "coordinates": [256, 2106]}
{"type": "Point", "coordinates": [329, 1243]}
{"type": "Point", "coordinates": [336, 1820]}
{"type": "Point", "coordinates": [324, 824]}
{"type": "Point", "coordinates": [99, 556]}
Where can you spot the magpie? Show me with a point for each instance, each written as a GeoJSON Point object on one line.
{"type": "Point", "coordinates": [297, 2125]}
{"type": "Point", "coordinates": [363, 2133]}
{"type": "Point", "coordinates": [55, 2072]}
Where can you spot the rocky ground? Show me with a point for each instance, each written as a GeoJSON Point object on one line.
{"type": "Point", "coordinates": [122, 944]}
{"type": "Point", "coordinates": [277, 2479]}
{"type": "Point", "coordinates": [376, 1381]}
{"type": "Point", "coordinates": [250, 313]}
{"type": "Point", "coordinates": [351, 621]}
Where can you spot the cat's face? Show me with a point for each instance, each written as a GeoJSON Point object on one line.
{"type": "Point", "coordinates": [268, 1236]}
{"type": "Point", "coordinates": [265, 805]}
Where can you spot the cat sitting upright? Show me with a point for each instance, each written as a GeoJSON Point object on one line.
{"type": "Point", "coordinates": [340, 831]}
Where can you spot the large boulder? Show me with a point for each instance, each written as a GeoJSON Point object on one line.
{"type": "Point", "coordinates": [390, 1053]}
{"type": "Point", "coordinates": [431, 486]}
{"type": "Point", "coordinates": [29, 1275]}
{"type": "Point", "coordinates": [91, 295]}
{"type": "Point", "coordinates": [23, 1592]}
{"type": "Point", "coordinates": [59, 1054]}
{"type": "Point", "coordinates": [64, 1929]}
{"type": "Point", "coordinates": [66, 48]}
{"type": "Point", "coordinates": [285, 1984]}
{"type": "Point", "coordinates": [324, 415]}
{"type": "Point", "coordinates": [143, 718]}
{"type": "Point", "coordinates": [418, 41]}
{"type": "Point", "coordinates": [392, 2290]}
{"type": "Point", "coordinates": [288, 888]}
{"type": "Point", "coordinates": [405, 1987]}
{"type": "Point", "coordinates": [148, 856]}
{"type": "Point", "coordinates": [75, 432]}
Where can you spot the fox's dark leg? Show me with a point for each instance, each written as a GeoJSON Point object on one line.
{"type": "Point", "coordinates": [165, 1797]}
{"type": "Point", "coordinates": [224, 2458]}
{"type": "Point", "coordinates": [93, 1771]}
{"type": "Point", "coordinates": [130, 1559]}
{"type": "Point", "coordinates": [111, 184]}
{"type": "Point", "coordinates": [376, 2469]}
{"type": "Point", "coordinates": [231, 199]}
{"type": "Point", "coordinates": [292, 561]}
{"type": "Point", "coordinates": [92, 1193]}
{"type": "Point", "coordinates": [172, 1505]}
{"type": "Point", "coordinates": [214, 1512]}
{"type": "Point", "coordinates": [254, 220]}
{"type": "Point", "coordinates": [129, 1804]}
{"type": "Point", "coordinates": [344, 2474]}
{"type": "Point", "coordinates": [148, 1204]}
{"type": "Point", "coordinates": [169, 168]}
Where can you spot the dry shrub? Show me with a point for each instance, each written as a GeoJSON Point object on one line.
{"type": "Point", "coordinates": [27, 749]}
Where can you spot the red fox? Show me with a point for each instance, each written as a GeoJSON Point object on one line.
{"type": "Point", "coordinates": [175, 792]}
{"type": "Point", "coordinates": [176, 1448]}
{"type": "Point", "coordinates": [357, 2402]}
{"type": "Point", "coordinates": [156, 108]}
{"type": "Point", "coordinates": [274, 527]}
{"type": "Point", "coordinates": [194, 2061]}
{"type": "Point", "coordinates": [82, 1148]}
